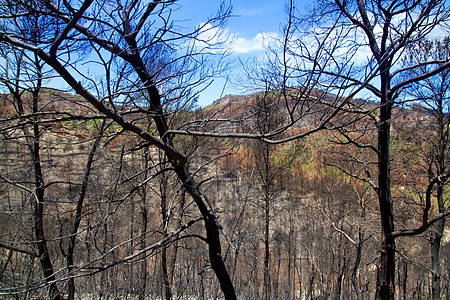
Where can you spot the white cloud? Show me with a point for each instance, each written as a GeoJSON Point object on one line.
{"type": "Point", "coordinates": [214, 37]}
{"type": "Point", "coordinates": [260, 42]}
{"type": "Point", "coordinates": [211, 37]}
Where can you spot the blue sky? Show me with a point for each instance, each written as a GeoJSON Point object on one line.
{"type": "Point", "coordinates": [250, 17]}
{"type": "Point", "coordinates": [252, 22]}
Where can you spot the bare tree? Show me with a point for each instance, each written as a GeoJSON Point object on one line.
{"type": "Point", "coordinates": [267, 118]}
{"type": "Point", "coordinates": [432, 94]}
{"type": "Point", "coordinates": [27, 102]}
{"type": "Point", "coordinates": [145, 39]}
{"type": "Point", "coordinates": [372, 36]}
{"type": "Point", "coordinates": [152, 68]}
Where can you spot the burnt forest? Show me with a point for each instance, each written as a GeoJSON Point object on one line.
{"type": "Point", "coordinates": [324, 177]}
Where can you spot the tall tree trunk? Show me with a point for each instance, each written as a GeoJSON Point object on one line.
{"type": "Point", "coordinates": [386, 274]}
{"type": "Point", "coordinates": [77, 221]}
{"type": "Point", "coordinates": [33, 144]}
{"type": "Point", "coordinates": [142, 244]}
{"type": "Point", "coordinates": [435, 243]}
{"type": "Point", "coordinates": [175, 245]}
{"type": "Point", "coordinates": [41, 242]}
{"type": "Point", "coordinates": [212, 233]}
{"type": "Point", "coordinates": [167, 290]}
{"type": "Point", "coordinates": [266, 247]}
{"type": "Point", "coordinates": [210, 221]}
{"type": "Point", "coordinates": [165, 275]}
{"type": "Point", "coordinates": [437, 230]}
{"type": "Point", "coordinates": [290, 280]}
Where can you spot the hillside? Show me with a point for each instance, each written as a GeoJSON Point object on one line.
{"type": "Point", "coordinates": [303, 213]}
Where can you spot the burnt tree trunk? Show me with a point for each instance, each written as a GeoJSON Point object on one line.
{"type": "Point", "coordinates": [212, 234]}
{"type": "Point", "coordinates": [386, 274]}
{"type": "Point", "coordinates": [435, 243]}
{"type": "Point", "coordinates": [41, 242]}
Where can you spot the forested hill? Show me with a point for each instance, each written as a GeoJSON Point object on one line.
{"type": "Point", "coordinates": [244, 107]}
{"type": "Point", "coordinates": [303, 214]}
{"type": "Point", "coordinates": [128, 190]}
